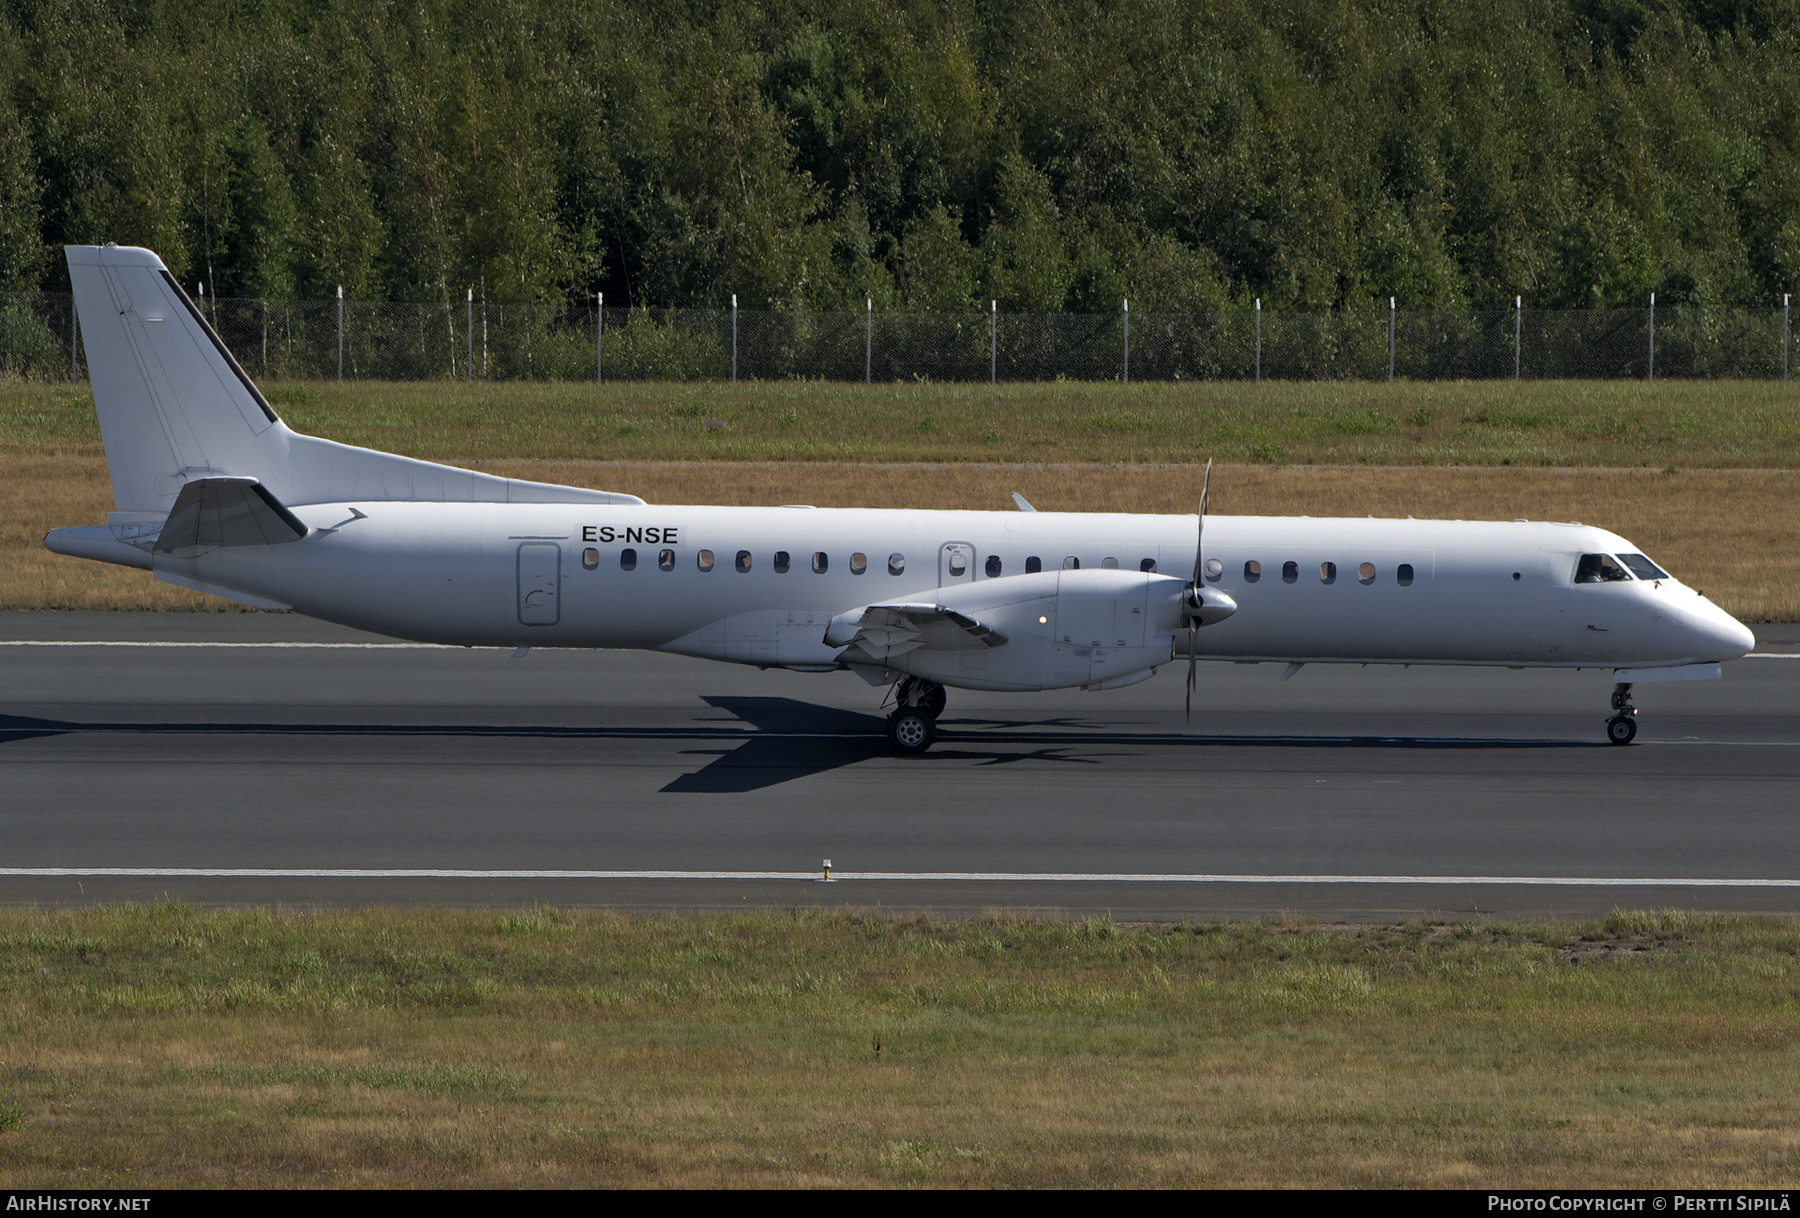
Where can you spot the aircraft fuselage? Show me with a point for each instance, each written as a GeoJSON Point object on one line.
{"type": "Point", "coordinates": [1308, 589]}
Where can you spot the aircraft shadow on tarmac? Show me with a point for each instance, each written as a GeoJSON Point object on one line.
{"type": "Point", "coordinates": [793, 739]}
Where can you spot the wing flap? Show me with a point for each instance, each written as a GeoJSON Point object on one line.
{"type": "Point", "coordinates": [883, 632]}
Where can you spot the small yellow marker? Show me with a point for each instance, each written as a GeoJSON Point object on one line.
{"type": "Point", "coordinates": [827, 878]}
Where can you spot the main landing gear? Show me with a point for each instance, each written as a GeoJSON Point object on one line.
{"type": "Point", "coordinates": [1622, 727]}
{"type": "Point", "coordinates": [912, 727]}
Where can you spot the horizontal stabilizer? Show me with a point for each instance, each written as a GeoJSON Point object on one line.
{"type": "Point", "coordinates": [213, 513]}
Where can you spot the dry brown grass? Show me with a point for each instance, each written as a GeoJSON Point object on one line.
{"type": "Point", "coordinates": [164, 1047]}
{"type": "Point", "coordinates": [38, 494]}
{"type": "Point", "coordinates": [1733, 533]}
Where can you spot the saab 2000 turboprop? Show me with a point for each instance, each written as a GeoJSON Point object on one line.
{"type": "Point", "coordinates": [216, 494]}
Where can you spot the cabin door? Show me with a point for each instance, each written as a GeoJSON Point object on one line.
{"type": "Point", "coordinates": [540, 583]}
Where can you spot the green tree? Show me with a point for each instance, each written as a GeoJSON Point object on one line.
{"type": "Point", "coordinates": [939, 271]}
{"type": "Point", "coordinates": [1028, 268]}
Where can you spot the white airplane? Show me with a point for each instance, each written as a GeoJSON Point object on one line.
{"type": "Point", "coordinates": [216, 494]}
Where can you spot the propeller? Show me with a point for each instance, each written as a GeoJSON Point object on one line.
{"type": "Point", "coordinates": [1195, 598]}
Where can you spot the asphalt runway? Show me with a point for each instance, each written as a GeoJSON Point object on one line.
{"type": "Point", "coordinates": [156, 746]}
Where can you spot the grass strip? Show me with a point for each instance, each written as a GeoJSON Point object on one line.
{"type": "Point", "coordinates": [166, 1046]}
{"type": "Point", "coordinates": [1687, 424]}
{"type": "Point", "coordinates": [1733, 534]}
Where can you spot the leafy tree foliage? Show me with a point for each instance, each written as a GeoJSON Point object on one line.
{"type": "Point", "coordinates": [924, 154]}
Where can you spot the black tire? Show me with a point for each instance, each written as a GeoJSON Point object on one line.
{"type": "Point", "coordinates": [1621, 729]}
{"type": "Point", "coordinates": [933, 704]}
{"type": "Point", "coordinates": [910, 732]}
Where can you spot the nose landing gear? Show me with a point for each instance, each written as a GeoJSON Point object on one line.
{"type": "Point", "coordinates": [1622, 727]}
{"type": "Point", "coordinates": [912, 728]}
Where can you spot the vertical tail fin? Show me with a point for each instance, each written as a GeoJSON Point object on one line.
{"type": "Point", "coordinates": [172, 401]}
{"type": "Point", "coordinates": [175, 406]}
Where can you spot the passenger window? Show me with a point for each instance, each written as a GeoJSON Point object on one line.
{"type": "Point", "coordinates": [1109, 564]}
{"type": "Point", "coordinates": [1290, 571]}
{"type": "Point", "coordinates": [665, 559]}
{"type": "Point", "coordinates": [993, 566]}
{"type": "Point", "coordinates": [1071, 563]}
{"type": "Point", "coordinates": [1328, 573]}
{"type": "Point", "coordinates": [1403, 575]}
{"type": "Point", "coordinates": [1148, 565]}
{"type": "Point", "coordinates": [627, 560]}
{"type": "Point", "coordinates": [1365, 574]}
{"type": "Point", "coordinates": [859, 563]}
{"type": "Point", "coordinates": [821, 563]}
{"type": "Point", "coordinates": [704, 560]}
{"type": "Point", "coordinates": [1215, 570]}
{"type": "Point", "coordinates": [781, 562]}
{"type": "Point", "coordinates": [1033, 565]}
{"type": "Point", "coordinates": [590, 558]}
{"type": "Point", "coordinates": [743, 561]}
{"type": "Point", "coordinates": [1642, 567]}
{"type": "Point", "coordinates": [958, 564]}
{"type": "Point", "coordinates": [896, 564]}
{"type": "Point", "coordinates": [1252, 571]}
{"type": "Point", "coordinates": [1599, 569]}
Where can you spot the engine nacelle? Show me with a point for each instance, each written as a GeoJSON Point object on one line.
{"type": "Point", "coordinates": [1062, 628]}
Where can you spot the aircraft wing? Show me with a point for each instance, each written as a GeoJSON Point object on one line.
{"type": "Point", "coordinates": [885, 631]}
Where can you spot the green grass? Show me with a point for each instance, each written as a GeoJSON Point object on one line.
{"type": "Point", "coordinates": [1719, 424]}
{"type": "Point", "coordinates": [167, 1046]}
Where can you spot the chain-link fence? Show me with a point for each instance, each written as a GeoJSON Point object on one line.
{"type": "Point", "coordinates": [375, 340]}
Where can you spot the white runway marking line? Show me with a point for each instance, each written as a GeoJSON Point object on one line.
{"type": "Point", "coordinates": [1065, 877]}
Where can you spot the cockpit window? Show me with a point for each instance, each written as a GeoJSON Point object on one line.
{"type": "Point", "coordinates": [1642, 567]}
{"type": "Point", "coordinates": [1599, 569]}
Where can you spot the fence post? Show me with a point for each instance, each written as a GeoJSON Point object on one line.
{"type": "Point", "coordinates": [869, 344]}
{"type": "Point", "coordinates": [1784, 335]}
{"type": "Point", "coordinates": [734, 338]}
{"type": "Point", "coordinates": [1518, 309]}
{"type": "Point", "coordinates": [1390, 338]}
{"type": "Point", "coordinates": [200, 291]}
{"type": "Point", "coordinates": [1650, 370]}
{"type": "Point", "coordinates": [1125, 310]}
{"type": "Point", "coordinates": [340, 331]}
{"type": "Point", "coordinates": [469, 334]}
{"type": "Point", "coordinates": [1259, 340]}
{"type": "Point", "coordinates": [993, 342]}
{"type": "Point", "coordinates": [599, 338]}
{"type": "Point", "coordinates": [75, 340]}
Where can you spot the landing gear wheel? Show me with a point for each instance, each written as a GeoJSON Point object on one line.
{"type": "Point", "coordinates": [1622, 727]}
{"type": "Point", "coordinates": [933, 703]}
{"type": "Point", "coordinates": [910, 731]}
{"type": "Point", "coordinates": [916, 693]}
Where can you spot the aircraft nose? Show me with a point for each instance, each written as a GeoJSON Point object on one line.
{"type": "Point", "coordinates": [1722, 637]}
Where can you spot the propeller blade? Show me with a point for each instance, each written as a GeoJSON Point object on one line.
{"type": "Point", "coordinates": [1195, 599]}
{"type": "Point", "coordinates": [1200, 533]}
{"type": "Point", "coordinates": [1190, 684]}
